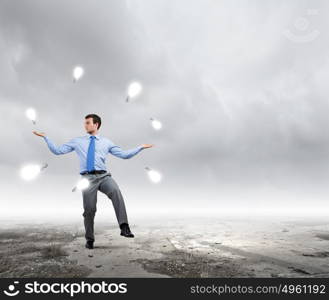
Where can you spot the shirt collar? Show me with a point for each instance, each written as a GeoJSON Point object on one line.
{"type": "Point", "coordinates": [89, 135]}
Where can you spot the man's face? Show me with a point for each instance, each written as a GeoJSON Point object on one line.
{"type": "Point", "coordinates": [90, 126]}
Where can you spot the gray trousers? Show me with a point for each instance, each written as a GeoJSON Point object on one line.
{"type": "Point", "coordinates": [106, 184]}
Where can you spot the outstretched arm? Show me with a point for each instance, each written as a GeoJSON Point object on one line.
{"type": "Point", "coordinates": [63, 149]}
{"type": "Point", "coordinates": [125, 154]}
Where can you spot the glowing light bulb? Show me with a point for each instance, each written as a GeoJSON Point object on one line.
{"type": "Point", "coordinates": [77, 73]}
{"type": "Point", "coordinates": [134, 90]}
{"type": "Point", "coordinates": [31, 114]}
{"type": "Point", "coordinates": [81, 185]}
{"type": "Point", "coordinates": [30, 172]}
{"type": "Point", "coordinates": [153, 175]}
{"type": "Point", "coordinates": [156, 124]}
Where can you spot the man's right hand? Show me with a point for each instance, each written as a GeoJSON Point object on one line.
{"type": "Point", "coordinates": [39, 133]}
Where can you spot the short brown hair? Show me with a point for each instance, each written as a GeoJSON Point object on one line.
{"type": "Point", "coordinates": [96, 119]}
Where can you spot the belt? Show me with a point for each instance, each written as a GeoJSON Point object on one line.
{"type": "Point", "coordinates": [93, 172]}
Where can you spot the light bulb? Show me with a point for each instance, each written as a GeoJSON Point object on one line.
{"type": "Point", "coordinates": [77, 73]}
{"type": "Point", "coordinates": [31, 114]}
{"type": "Point", "coordinates": [153, 175]}
{"type": "Point", "coordinates": [156, 124]}
{"type": "Point", "coordinates": [134, 90]}
{"type": "Point", "coordinates": [30, 172]}
{"type": "Point", "coordinates": [82, 184]}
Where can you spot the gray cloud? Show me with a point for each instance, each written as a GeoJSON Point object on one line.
{"type": "Point", "coordinates": [244, 108]}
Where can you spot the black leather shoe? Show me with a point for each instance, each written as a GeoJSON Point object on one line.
{"type": "Point", "coordinates": [90, 244]}
{"type": "Point", "coordinates": [125, 230]}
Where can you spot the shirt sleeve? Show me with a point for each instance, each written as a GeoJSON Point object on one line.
{"type": "Point", "coordinates": [125, 154]}
{"type": "Point", "coordinates": [63, 149]}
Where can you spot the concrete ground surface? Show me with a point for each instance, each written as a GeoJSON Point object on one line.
{"type": "Point", "coordinates": [169, 247]}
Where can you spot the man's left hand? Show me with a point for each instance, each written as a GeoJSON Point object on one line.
{"type": "Point", "coordinates": [147, 146]}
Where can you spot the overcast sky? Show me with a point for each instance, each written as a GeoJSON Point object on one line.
{"type": "Point", "coordinates": [241, 88]}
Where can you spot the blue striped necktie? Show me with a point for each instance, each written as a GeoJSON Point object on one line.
{"type": "Point", "coordinates": [91, 154]}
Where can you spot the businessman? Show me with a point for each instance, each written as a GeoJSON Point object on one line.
{"type": "Point", "coordinates": [92, 150]}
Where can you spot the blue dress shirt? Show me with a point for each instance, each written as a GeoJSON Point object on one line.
{"type": "Point", "coordinates": [103, 146]}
